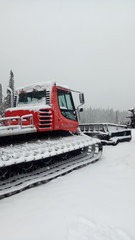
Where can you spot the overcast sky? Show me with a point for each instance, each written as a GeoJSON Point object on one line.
{"type": "Point", "coordinates": [86, 44]}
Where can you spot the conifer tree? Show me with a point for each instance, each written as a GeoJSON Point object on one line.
{"type": "Point", "coordinates": [1, 107]}
{"type": "Point", "coordinates": [11, 81]}
{"type": "Point", "coordinates": [0, 94]}
{"type": "Point", "coordinates": [10, 91]}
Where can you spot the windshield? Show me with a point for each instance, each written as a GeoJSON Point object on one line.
{"type": "Point", "coordinates": [32, 97]}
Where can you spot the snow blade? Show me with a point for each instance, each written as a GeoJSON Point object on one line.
{"type": "Point", "coordinates": [108, 133]}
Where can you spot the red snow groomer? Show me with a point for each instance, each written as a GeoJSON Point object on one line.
{"type": "Point", "coordinates": [42, 129]}
{"type": "Point", "coordinates": [43, 108]}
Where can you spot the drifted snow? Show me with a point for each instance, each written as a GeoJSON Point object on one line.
{"type": "Point", "coordinates": [96, 202]}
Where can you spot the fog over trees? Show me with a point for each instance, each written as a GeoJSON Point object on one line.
{"type": "Point", "coordinates": [98, 115]}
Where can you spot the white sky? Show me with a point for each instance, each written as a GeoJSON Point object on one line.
{"type": "Point", "coordinates": [86, 44]}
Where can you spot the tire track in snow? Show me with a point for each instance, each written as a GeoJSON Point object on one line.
{"type": "Point", "coordinates": [84, 229]}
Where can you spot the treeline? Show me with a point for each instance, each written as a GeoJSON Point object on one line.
{"type": "Point", "coordinates": [7, 101]}
{"type": "Point", "coordinates": [98, 115]}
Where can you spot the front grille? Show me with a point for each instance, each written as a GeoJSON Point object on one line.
{"type": "Point", "coordinates": [45, 119]}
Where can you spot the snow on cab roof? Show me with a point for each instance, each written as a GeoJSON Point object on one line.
{"type": "Point", "coordinates": [40, 86]}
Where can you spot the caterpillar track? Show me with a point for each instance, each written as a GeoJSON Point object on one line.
{"type": "Point", "coordinates": [44, 160]}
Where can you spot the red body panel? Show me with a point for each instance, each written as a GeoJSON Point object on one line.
{"type": "Point", "coordinates": [45, 119]}
{"type": "Point", "coordinates": [60, 122]}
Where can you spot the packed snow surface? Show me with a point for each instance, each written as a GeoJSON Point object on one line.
{"type": "Point", "coordinates": [96, 202]}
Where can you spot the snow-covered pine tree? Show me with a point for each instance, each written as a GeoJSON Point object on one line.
{"type": "Point", "coordinates": [10, 91]}
{"type": "Point", "coordinates": [0, 94]}
{"type": "Point", "coordinates": [11, 82]}
{"type": "Point", "coordinates": [1, 107]}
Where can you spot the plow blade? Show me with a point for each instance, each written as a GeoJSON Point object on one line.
{"type": "Point", "coordinates": [108, 133]}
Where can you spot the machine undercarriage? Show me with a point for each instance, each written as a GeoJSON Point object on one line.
{"type": "Point", "coordinates": [40, 159]}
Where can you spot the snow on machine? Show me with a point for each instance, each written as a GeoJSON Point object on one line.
{"type": "Point", "coordinates": [131, 117]}
{"type": "Point", "coordinates": [40, 138]}
{"type": "Point", "coordinates": [108, 133]}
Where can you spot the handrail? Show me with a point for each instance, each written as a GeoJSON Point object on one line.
{"type": "Point", "coordinates": [103, 127]}
{"type": "Point", "coordinates": [109, 124]}
{"type": "Point", "coordinates": [19, 121]}
{"type": "Point", "coordinates": [31, 120]}
{"type": "Point", "coordinates": [7, 118]}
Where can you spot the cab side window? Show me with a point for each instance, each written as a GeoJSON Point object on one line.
{"type": "Point", "coordinates": [66, 104]}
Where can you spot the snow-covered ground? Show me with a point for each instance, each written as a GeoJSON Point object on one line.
{"type": "Point", "coordinates": [96, 202]}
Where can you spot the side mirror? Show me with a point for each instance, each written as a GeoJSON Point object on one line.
{"type": "Point", "coordinates": [81, 97]}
